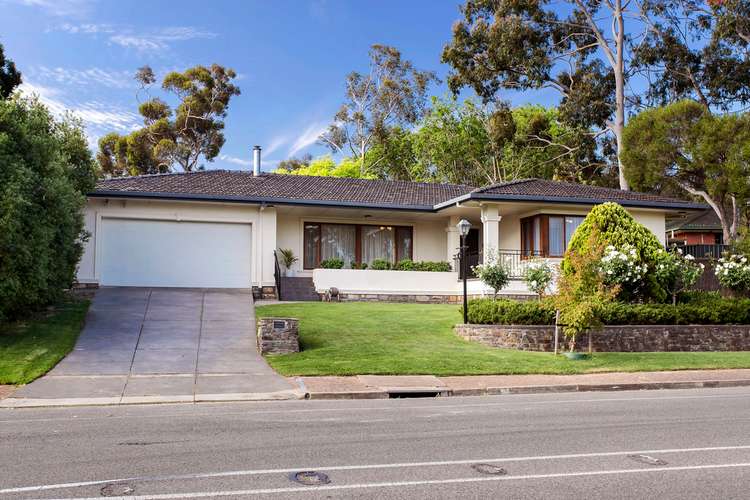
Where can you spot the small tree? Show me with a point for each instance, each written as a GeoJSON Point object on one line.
{"type": "Point", "coordinates": [677, 272]}
{"type": "Point", "coordinates": [493, 273]}
{"type": "Point", "coordinates": [538, 276]}
{"type": "Point", "coordinates": [582, 292]}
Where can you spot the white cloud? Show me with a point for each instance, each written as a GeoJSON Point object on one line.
{"type": "Point", "coordinates": [126, 36]}
{"type": "Point", "coordinates": [86, 28]}
{"type": "Point", "coordinates": [97, 117]}
{"type": "Point", "coordinates": [235, 160]}
{"type": "Point", "coordinates": [59, 8]}
{"type": "Point", "coordinates": [275, 144]}
{"type": "Point", "coordinates": [159, 39]}
{"type": "Point", "coordinates": [84, 77]}
{"type": "Point", "coordinates": [307, 138]}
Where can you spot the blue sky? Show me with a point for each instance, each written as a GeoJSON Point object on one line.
{"type": "Point", "coordinates": [291, 56]}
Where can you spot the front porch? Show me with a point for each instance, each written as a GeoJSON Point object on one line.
{"type": "Point", "coordinates": [358, 239]}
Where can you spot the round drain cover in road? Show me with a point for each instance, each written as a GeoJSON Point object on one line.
{"type": "Point", "coordinates": [493, 470]}
{"type": "Point", "coordinates": [310, 478]}
{"type": "Point", "coordinates": [645, 459]}
{"type": "Point", "coordinates": [117, 490]}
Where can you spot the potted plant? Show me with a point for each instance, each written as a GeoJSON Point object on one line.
{"type": "Point", "coordinates": [288, 259]}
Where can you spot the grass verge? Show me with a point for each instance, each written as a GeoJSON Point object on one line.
{"type": "Point", "coordinates": [30, 348]}
{"type": "Point", "coordinates": [410, 339]}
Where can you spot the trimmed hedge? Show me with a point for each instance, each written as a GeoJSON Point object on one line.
{"type": "Point", "coordinates": [708, 310]}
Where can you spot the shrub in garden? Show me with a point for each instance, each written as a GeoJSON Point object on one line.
{"type": "Point", "coordinates": [613, 226]}
{"type": "Point", "coordinates": [333, 263]}
{"type": "Point", "coordinates": [405, 265]}
{"type": "Point", "coordinates": [677, 272]}
{"type": "Point", "coordinates": [538, 275]}
{"type": "Point", "coordinates": [493, 273]}
{"type": "Point", "coordinates": [45, 169]}
{"type": "Point", "coordinates": [583, 294]}
{"type": "Point", "coordinates": [433, 266]}
{"type": "Point", "coordinates": [511, 312]}
{"type": "Point", "coordinates": [733, 272]}
{"type": "Point", "coordinates": [380, 265]}
{"type": "Point", "coordinates": [702, 309]}
{"type": "Point", "coordinates": [359, 265]}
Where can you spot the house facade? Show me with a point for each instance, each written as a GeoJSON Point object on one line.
{"type": "Point", "coordinates": [222, 229]}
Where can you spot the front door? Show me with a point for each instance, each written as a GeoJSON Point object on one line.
{"type": "Point", "coordinates": [472, 252]}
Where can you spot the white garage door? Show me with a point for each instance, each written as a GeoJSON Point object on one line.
{"type": "Point", "coordinates": [139, 252]}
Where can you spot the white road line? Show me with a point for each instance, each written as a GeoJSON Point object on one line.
{"type": "Point", "coordinates": [257, 472]}
{"type": "Point", "coordinates": [505, 403]}
{"type": "Point", "coordinates": [311, 489]}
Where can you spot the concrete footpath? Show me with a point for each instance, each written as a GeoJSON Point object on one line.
{"type": "Point", "coordinates": [383, 386]}
{"type": "Point", "coordinates": [401, 386]}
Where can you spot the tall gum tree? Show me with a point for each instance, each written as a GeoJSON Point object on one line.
{"type": "Point", "coordinates": [606, 58]}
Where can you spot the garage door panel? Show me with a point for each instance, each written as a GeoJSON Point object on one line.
{"type": "Point", "coordinates": [139, 252]}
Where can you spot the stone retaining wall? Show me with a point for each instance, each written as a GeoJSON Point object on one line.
{"type": "Point", "coordinates": [621, 338]}
{"type": "Point", "coordinates": [424, 299]}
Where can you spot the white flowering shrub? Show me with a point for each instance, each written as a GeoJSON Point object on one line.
{"type": "Point", "coordinates": [622, 267]}
{"type": "Point", "coordinates": [733, 272]}
{"type": "Point", "coordinates": [677, 271]}
{"type": "Point", "coordinates": [493, 273]}
{"type": "Point", "coordinates": [538, 276]}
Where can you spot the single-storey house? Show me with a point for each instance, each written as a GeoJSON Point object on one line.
{"type": "Point", "coordinates": [222, 229]}
{"type": "Point", "coordinates": [697, 228]}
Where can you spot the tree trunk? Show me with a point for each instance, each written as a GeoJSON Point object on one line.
{"type": "Point", "coordinates": [619, 71]}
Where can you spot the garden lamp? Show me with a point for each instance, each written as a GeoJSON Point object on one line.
{"type": "Point", "coordinates": [463, 229]}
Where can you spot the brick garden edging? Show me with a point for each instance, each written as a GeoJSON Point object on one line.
{"type": "Point", "coordinates": [616, 338]}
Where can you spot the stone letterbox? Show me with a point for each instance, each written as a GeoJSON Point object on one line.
{"type": "Point", "coordinates": [278, 335]}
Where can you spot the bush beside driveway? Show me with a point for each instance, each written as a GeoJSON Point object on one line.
{"type": "Point", "coordinates": [413, 339]}
{"type": "Point", "coordinates": [30, 348]}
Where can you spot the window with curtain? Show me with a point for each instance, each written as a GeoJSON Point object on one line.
{"type": "Point", "coordinates": [556, 236]}
{"type": "Point", "coordinates": [338, 241]}
{"type": "Point", "coordinates": [378, 243]}
{"type": "Point", "coordinates": [355, 243]}
{"type": "Point", "coordinates": [571, 224]}
{"type": "Point", "coordinates": [548, 235]}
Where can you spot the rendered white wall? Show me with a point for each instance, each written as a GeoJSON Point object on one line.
{"type": "Point", "coordinates": [262, 255]}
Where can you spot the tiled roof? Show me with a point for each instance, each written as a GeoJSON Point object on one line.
{"type": "Point", "coordinates": [542, 189]}
{"type": "Point", "coordinates": [242, 185]}
{"type": "Point", "coordinates": [227, 185]}
{"type": "Point", "coordinates": [702, 221]}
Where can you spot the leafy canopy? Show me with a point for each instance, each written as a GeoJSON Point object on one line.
{"type": "Point", "coordinates": [45, 169]}
{"type": "Point", "coordinates": [185, 135]}
{"type": "Point", "coordinates": [684, 146]}
{"type": "Point", "coordinates": [10, 77]}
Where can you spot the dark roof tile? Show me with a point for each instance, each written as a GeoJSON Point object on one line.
{"type": "Point", "coordinates": [278, 188]}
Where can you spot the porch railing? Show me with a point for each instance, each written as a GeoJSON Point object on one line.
{"type": "Point", "coordinates": [277, 275]}
{"type": "Point", "coordinates": [512, 260]}
{"type": "Point", "coordinates": [704, 251]}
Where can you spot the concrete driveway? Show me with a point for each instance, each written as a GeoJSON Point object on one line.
{"type": "Point", "coordinates": [162, 345]}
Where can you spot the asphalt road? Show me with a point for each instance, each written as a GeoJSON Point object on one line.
{"type": "Point", "coordinates": [651, 444]}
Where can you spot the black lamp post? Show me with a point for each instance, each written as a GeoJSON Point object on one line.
{"type": "Point", "coordinates": [463, 229]}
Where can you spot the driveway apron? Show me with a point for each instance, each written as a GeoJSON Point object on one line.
{"type": "Point", "coordinates": [164, 345]}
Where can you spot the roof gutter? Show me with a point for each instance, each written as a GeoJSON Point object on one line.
{"type": "Point", "coordinates": [256, 200]}
{"type": "Point", "coordinates": [569, 200]}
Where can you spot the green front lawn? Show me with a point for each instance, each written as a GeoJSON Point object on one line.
{"type": "Point", "coordinates": [400, 339]}
{"type": "Point", "coordinates": [30, 348]}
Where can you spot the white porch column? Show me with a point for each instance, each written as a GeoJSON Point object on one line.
{"type": "Point", "coordinates": [267, 235]}
{"type": "Point", "coordinates": [453, 240]}
{"type": "Point", "coordinates": [490, 230]}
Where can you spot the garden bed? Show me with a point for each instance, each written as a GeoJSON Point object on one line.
{"type": "Point", "coordinates": [417, 339]}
